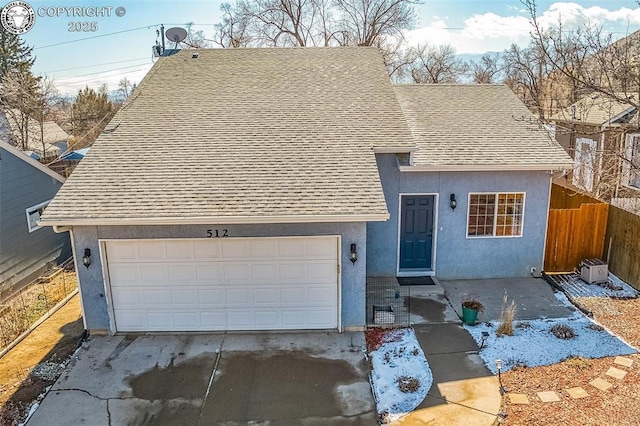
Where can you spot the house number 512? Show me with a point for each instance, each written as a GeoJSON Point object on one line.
{"type": "Point", "coordinates": [217, 233]}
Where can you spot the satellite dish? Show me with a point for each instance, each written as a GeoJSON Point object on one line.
{"type": "Point", "coordinates": [176, 34]}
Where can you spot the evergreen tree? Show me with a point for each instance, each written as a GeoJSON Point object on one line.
{"type": "Point", "coordinates": [90, 113]}
{"type": "Point", "coordinates": [15, 54]}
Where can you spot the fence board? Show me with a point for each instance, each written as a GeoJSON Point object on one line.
{"type": "Point", "coordinates": [623, 245]}
{"type": "Point", "coordinates": [574, 235]}
{"type": "Point", "coordinates": [565, 198]}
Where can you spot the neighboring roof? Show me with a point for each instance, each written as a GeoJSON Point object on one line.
{"type": "Point", "coordinates": [50, 129]}
{"type": "Point", "coordinates": [596, 109]}
{"type": "Point", "coordinates": [75, 155]}
{"type": "Point", "coordinates": [476, 127]}
{"type": "Point", "coordinates": [27, 159]}
{"type": "Point", "coordinates": [242, 135]}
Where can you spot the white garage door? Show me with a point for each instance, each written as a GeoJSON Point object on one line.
{"type": "Point", "coordinates": [224, 284]}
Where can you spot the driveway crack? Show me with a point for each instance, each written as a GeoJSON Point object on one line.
{"type": "Point", "coordinates": [213, 374]}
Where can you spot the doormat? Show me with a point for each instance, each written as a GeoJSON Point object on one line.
{"type": "Point", "coordinates": [416, 281]}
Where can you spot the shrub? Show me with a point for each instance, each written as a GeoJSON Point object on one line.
{"type": "Point", "coordinates": [562, 331]}
{"type": "Point", "coordinates": [408, 384]}
{"type": "Point", "coordinates": [507, 313]}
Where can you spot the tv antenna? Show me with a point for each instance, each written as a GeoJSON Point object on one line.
{"type": "Point", "coordinates": [176, 34]}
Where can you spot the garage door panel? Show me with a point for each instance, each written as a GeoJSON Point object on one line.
{"type": "Point", "coordinates": [185, 297]}
{"type": "Point", "coordinates": [128, 298]}
{"type": "Point", "coordinates": [151, 250]}
{"type": "Point", "coordinates": [321, 248]}
{"type": "Point", "coordinates": [224, 284]}
{"type": "Point", "coordinates": [263, 249]}
{"type": "Point", "coordinates": [211, 297]}
{"type": "Point", "coordinates": [321, 272]}
{"type": "Point", "coordinates": [214, 320]}
{"type": "Point", "coordinates": [291, 248]}
{"type": "Point", "coordinates": [265, 272]}
{"type": "Point", "coordinates": [157, 297]}
{"type": "Point", "coordinates": [179, 250]}
{"type": "Point", "coordinates": [209, 274]}
{"type": "Point", "coordinates": [293, 271]}
{"type": "Point", "coordinates": [236, 273]}
{"type": "Point", "coordinates": [207, 249]}
{"type": "Point", "coordinates": [235, 249]}
{"type": "Point", "coordinates": [269, 296]}
{"type": "Point", "coordinates": [123, 251]}
{"type": "Point", "coordinates": [241, 296]}
{"type": "Point", "coordinates": [150, 273]}
{"type": "Point", "coordinates": [159, 320]}
{"type": "Point", "coordinates": [181, 273]}
{"type": "Point", "coordinates": [123, 275]}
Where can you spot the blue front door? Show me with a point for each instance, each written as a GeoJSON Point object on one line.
{"type": "Point", "coordinates": [416, 231]}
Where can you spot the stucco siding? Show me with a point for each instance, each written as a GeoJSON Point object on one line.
{"type": "Point", "coordinates": [456, 256]}
{"type": "Point", "coordinates": [94, 294]}
{"type": "Point", "coordinates": [23, 254]}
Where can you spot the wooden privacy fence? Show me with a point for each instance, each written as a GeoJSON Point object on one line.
{"type": "Point", "coordinates": [574, 235]}
{"type": "Point", "coordinates": [623, 245]}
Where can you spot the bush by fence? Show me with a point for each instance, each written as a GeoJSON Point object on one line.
{"type": "Point", "coordinates": [24, 308]}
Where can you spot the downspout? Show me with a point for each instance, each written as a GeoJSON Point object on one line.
{"type": "Point", "coordinates": [60, 229]}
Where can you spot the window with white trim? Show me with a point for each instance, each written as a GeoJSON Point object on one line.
{"type": "Point", "coordinates": [33, 215]}
{"type": "Point", "coordinates": [632, 163]}
{"type": "Point", "coordinates": [497, 214]}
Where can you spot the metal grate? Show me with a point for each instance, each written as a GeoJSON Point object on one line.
{"type": "Point", "coordinates": [387, 302]}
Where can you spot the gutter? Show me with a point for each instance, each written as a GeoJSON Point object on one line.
{"type": "Point", "coordinates": [63, 225]}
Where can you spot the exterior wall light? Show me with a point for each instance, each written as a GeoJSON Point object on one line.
{"type": "Point", "coordinates": [86, 259]}
{"type": "Point", "coordinates": [353, 257]}
{"type": "Point", "coordinates": [452, 201]}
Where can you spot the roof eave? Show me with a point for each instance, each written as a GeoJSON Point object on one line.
{"type": "Point", "coordinates": [485, 167]}
{"type": "Point", "coordinates": [214, 220]}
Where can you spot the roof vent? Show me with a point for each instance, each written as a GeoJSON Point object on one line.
{"type": "Point", "coordinates": [195, 55]}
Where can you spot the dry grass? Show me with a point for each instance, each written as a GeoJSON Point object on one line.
{"type": "Point", "coordinates": [618, 405]}
{"type": "Point", "coordinates": [507, 313]}
{"type": "Point", "coordinates": [25, 308]}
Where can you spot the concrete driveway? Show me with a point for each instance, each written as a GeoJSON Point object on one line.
{"type": "Point", "coordinates": [229, 379]}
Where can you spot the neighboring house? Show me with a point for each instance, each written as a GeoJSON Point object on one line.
{"type": "Point", "coordinates": [301, 172]}
{"type": "Point", "coordinates": [26, 249]}
{"type": "Point", "coordinates": [603, 137]}
{"type": "Point", "coordinates": [44, 142]}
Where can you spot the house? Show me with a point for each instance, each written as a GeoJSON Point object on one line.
{"type": "Point", "coordinates": [26, 248]}
{"type": "Point", "coordinates": [602, 135]}
{"type": "Point", "coordinates": [301, 172]}
{"type": "Point", "coordinates": [44, 141]}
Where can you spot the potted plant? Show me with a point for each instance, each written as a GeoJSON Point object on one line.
{"type": "Point", "coordinates": [471, 307]}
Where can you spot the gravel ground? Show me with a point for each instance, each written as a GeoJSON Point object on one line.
{"type": "Point", "coordinates": [618, 405]}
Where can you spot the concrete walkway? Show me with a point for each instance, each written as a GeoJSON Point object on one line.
{"type": "Point", "coordinates": [464, 391]}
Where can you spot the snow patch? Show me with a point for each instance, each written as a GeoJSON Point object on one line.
{"type": "Point", "coordinates": [394, 359]}
{"type": "Point", "coordinates": [534, 345]}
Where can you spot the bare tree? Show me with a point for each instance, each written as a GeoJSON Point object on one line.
{"type": "Point", "coordinates": [435, 65]}
{"type": "Point", "coordinates": [488, 69]}
{"type": "Point", "coordinates": [232, 31]}
{"type": "Point", "coordinates": [280, 22]}
{"type": "Point", "coordinates": [366, 22]}
{"type": "Point", "coordinates": [125, 88]}
{"type": "Point", "coordinates": [17, 98]}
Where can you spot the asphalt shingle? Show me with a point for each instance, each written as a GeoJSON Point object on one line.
{"type": "Point", "coordinates": [476, 125]}
{"type": "Point", "coordinates": [242, 133]}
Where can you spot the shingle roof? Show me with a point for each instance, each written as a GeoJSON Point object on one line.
{"type": "Point", "coordinates": [242, 133]}
{"type": "Point", "coordinates": [483, 126]}
{"type": "Point", "coordinates": [50, 129]}
{"type": "Point", "coordinates": [595, 109]}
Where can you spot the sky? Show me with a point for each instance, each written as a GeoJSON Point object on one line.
{"type": "Point", "coordinates": [108, 48]}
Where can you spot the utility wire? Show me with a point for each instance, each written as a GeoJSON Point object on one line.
{"type": "Point", "coordinates": [95, 65]}
{"type": "Point", "coordinates": [96, 36]}
{"type": "Point", "coordinates": [101, 72]}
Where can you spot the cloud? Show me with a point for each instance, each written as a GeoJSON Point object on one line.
{"type": "Point", "coordinates": [490, 32]}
